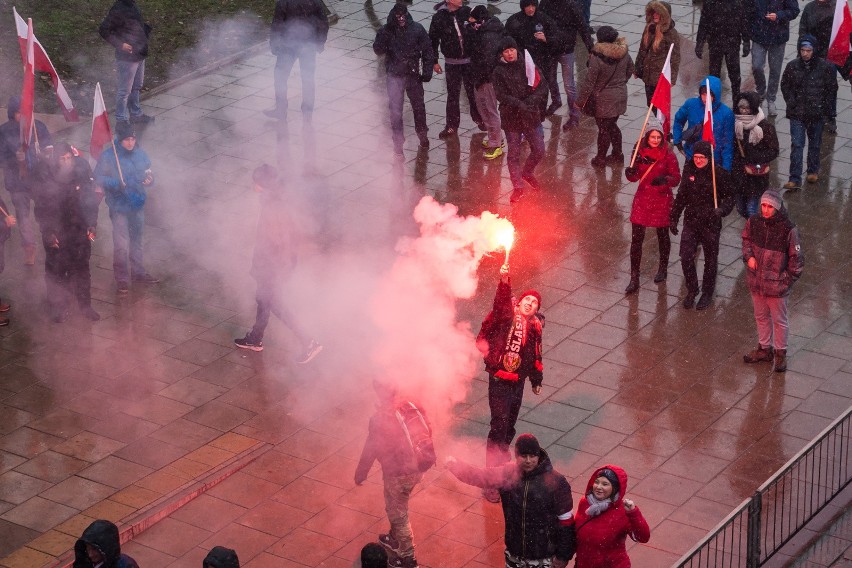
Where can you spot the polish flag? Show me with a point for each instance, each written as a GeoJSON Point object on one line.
{"type": "Point", "coordinates": [662, 98]}
{"type": "Point", "coordinates": [27, 121]}
{"type": "Point", "coordinates": [707, 131]}
{"type": "Point", "coordinates": [841, 27]}
{"type": "Point", "coordinates": [42, 63]}
{"type": "Point", "coordinates": [101, 133]}
{"type": "Point", "coordinates": [533, 78]}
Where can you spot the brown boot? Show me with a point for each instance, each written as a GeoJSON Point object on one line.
{"type": "Point", "coordinates": [759, 354]}
{"type": "Point", "coordinates": [779, 365]}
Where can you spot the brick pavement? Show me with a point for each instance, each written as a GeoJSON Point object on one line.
{"type": "Point", "coordinates": [108, 420]}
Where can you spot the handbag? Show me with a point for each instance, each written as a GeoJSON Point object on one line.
{"type": "Point", "coordinates": [590, 105]}
{"type": "Point", "coordinates": [753, 169]}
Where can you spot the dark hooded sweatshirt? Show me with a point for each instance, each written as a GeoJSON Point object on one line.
{"type": "Point", "coordinates": [521, 106]}
{"type": "Point", "coordinates": [808, 87]}
{"type": "Point", "coordinates": [221, 557]}
{"type": "Point", "coordinates": [408, 51]}
{"type": "Point", "coordinates": [103, 535]}
{"type": "Point", "coordinates": [483, 43]}
{"type": "Point", "coordinates": [124, 24]}
{"type": "Point", "coordinates": [10, 143]}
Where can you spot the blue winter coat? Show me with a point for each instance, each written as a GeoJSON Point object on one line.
{"type": "Point", "coordinates": [766, 32]}
{"type": "Point", "coordinates": [692, 113]}
{"type": "Point", "coordinates": [133, 166]}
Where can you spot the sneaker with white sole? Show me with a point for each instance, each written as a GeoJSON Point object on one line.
{"type": "Point", "coordinates": [248, 343]}
{"type": "Point", "coordinates": [312, 350]}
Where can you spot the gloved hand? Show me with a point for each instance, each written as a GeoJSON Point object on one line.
{"type": "Point", "coordinates": [659, 180]}
{"type": "Point", "coordinates": [673, 227]}
{"type": "Point", "coordinates": [631, 171]}
{"type": "Point", "coordinates": [425, 77]}
{"type": "Point", "coordinates": [746, 47]}
{"type": "Point", "coordinates": [679, 146]}
{"type": "Point", "coordinates": [719, 212]}
{"type": "Point", "coordinates": [699, 51]}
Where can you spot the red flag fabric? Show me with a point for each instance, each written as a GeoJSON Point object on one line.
{"type": "Point", "coordinates": [28, 91]}
{"type": "Point", "coordinates": [101, 133]}
{"type": "Point", "coordinates": [533, 77]}
{"type": "Point", "coordinates": [841, 27]}
{"type": "Point", "coordinates": [42, 63]}
{"type": "Point", "coordinates": [707, 131]}
{"type": "Point", "coordinates": [662, 98]}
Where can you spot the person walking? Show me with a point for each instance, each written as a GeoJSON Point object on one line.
{"type": "Point", "coordinates": [409, 62]}
{"type": "Point", "coordinates": [126, 30]}
{"type": "Point", "coordinates": [537, 505]}
{"type": "Point", "coordinates": [273, 261]}
{"type": "Point", "coordinates": [772, 253]}
{"type": "Point", "coordinates": [702, 221]}
{"type": "Point", "coordinates": [446, 34]}
{"type": "Point", "coordinates": [299, 32]}
{"type": "Point", "coordinates": [659, 34]}
{"type": "Point", "coordinates": [724, 26]}
{"type": "Point", "coordinates": [522, 93]}
{"type": "Point", "coordinates": [124, 172]}
{"type": "Point", "coordinates": [770, 31]}
{"type": "Point", "coordinates": [510, 342]}
{"type": "Point", "coordinates": [484, 34]}
{"type": "Point", "coordinates": [657, 171]}
{"type": "Point", "coordinates": [809, 87]}
{"type": "Point", "coordinates": [817, 20]}
{"type": "Point", "coordinates": [610, 67]}
{"type": "Point", "coordinates": [688, 123]}
{"type": "Point", "coordinates": [604, 520]}
{"type": "Point", "coordinates": [756, 148]}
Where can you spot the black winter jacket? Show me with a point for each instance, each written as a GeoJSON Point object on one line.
{"type": "Point", "coordinates": [66, 208]}
{"type": "Point", "coordinates": [447, 32]}
{"type": "Point", "coordinates": [103, 535]}
{"type": "Point", "coordinates": [10, 143]}
{"type": "Point", "coordinates": [297, 23]}
{"type": "Point", "coordinates": [569, 15]}
{"type": "Point", "coordinates": [536, 507]}
{"type": "Point", "coordinates": [808, 87]}
{"type": "Point", "coordinates": [695, 196]}
{"type": "Point", "coordinates": [724, 22]}
{"type": "Point", "coordinates": [523, 28]}
{"type": "Point", "coordinates": [763, 152]}
{"type": "Point", "coordinates": [816, 21]}
{"type": "Point", "coordinates": [521, 106]}
{"type": "Point", "coordinates": [124, 24]}
{"type": "Point", "coordinates": [405, 48]}
{"type": "Point", "coordinates": [387, 443]}
{"type": "Point", "coordinates": [484, 48]}
{"type": "Point", "coordinates": [774, 243]}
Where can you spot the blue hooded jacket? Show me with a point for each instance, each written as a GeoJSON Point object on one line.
{"type": "Point", "coordinates": [133, 166]}
{"type": "Point", "coordinates": [692, 113]}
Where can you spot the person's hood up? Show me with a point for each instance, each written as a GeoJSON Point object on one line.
{"type": "Point", "coordinates": [544, 465]}
{"type": "Point", "coordinates": [398, 9]}
{"type": "Point", "coordinates": [715, 88]}
{"type": "Point", "coordinates": [13, 106]}
{"type": "Point", "coordinates": [664, 9]}
{"type": "Point", "coordinates": [622, 481]}
{"type": "Point", "coordinates": [104, 536]}
{"type": "Point", "coordinates": [221, 557]}
{"type": "Point", "coordinates": [809, 39]}
{"type": "Point", "coordinates": [613, 51]}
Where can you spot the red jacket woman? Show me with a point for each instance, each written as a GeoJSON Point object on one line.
{"type": "Point", "coordinates": [605, 519]}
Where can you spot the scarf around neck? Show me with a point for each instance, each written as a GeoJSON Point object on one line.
{"type": "Point", "coordinates": [597, 507]}
{"type": "Point", "coordinates": [510, 362]}
{"type": "Point", "coordinates": [749, 122]}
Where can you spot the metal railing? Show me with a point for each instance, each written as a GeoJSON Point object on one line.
{"type": "Point", "coordinates": [762, 524]}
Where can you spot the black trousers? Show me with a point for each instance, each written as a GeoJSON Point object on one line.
{"type": "Point", "coordinates": [269, 302]}
{"type": "Point", "coordinates": [730, 52]}
{"type": "Point", "coordinates": [638, 237]}
{"type": "Point", "coordinates": [609, 133]}
{"type": "Point", "coordinates": [456, 75]}
{"type": "Point", "coordinates": [67, 274]}
{"type": "Point", "coordinates": [504, 399]}
{"type": "Point", "coordinates": [691, 237]}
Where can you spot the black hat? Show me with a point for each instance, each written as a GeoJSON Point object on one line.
{"type": "Point", "coordinates": [508, 43]}
{"type": "Point", "coordinates": [527, 445]}
{"type": "Point", "coordinates": [124, 130]}
{"type": "Point", "coordinates": [480, 13]}
{"type": "Point", "coordinates": [525, 3]}
{"type": "Point", "coordinates": [607, 34]}
{"type": "Point", "coordinates": [612, 478]}
{"type": "Point", "coordinates": [702, 147]}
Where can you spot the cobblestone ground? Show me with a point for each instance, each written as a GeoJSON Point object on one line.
{"type": "Point", "coordinates": [109, 420]}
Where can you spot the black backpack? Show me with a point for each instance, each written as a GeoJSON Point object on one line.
{"type": "Point", "coordinates": [418, 433]}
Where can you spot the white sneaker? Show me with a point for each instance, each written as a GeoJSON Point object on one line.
{"type": "Point", "coordinates": [309, 353]}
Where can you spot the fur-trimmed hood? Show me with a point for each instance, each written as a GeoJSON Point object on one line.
{"type": "Point", "coordinates": [612, 51]}
{"type": "Point", "coordinates": [661, 8]}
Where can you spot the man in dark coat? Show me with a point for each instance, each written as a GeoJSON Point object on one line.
{"type": "Point", "coordinates": [409, 62]}
{"type": "Point", "coordinates": [100, 547]}
{"type": "Point", "coordinates": [447, 34]}
{"type": "Point", "coordinates": [702, 221]}
{"type": "Point", "coordinates": [817, 19]}
{"type": "Point", "coordinates": [725, 25]}
{"type": "Point", "coordinates": [126, 30]}
{"type": "Point", "coordinates": [483, 36]}
{"type": "Point", "coordinates": [299, 31]}
{"type": "Point", "coordinates": [66, 206]}
{"type": "Point", "coordinates": [17, 166]}
{"type": "Point", "coordinates": [809, 86]}
{"type": "Point", "coordinates": [273, 261]}
{"type": "Point", "coordinates": [540, 35]}
{"type": "Point", "coordinates": [522, 103]}
{"type": "Point", "coordinates": [537, 503]}
{"type": "Point", "coordinates": [770, 31]}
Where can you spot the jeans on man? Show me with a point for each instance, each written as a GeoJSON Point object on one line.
{"type": "Point", "coordinates": [799, 129]}
{"type": "Point", "coordinates": [504, 400]}
{"type": "Point", "coordinates": [566, 60]}
{"type": "Point", "coordinates": [457, 74]}
{"type": "Point", "coordinates": [307, 57]}
{"type": "Point", "coordinates": [770, 315]}
{"type": "Point", "coordinates": [708, 237]}
{"type": "Point", "coordinates": [397, 490]}
{"type": "Point", "coordinates": [131, 75]}
{"type": "Point", "coordinates": [398, 86]}
{"type": "Point", "coordinates": [486, 102]}
{"type": "Point", "coordinates": [269, 302]}
{"type": "Point", "coordinates": [127, 244]}
{"type": "Point", "coordinates": [22, 201]}
{"type": "Point", "coordinates": [535, 137]}
{"type": "Point", "coordinates": [759, 55]}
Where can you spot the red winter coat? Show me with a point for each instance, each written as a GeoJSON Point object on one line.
{"type": "Point", "coordinates": [600, 540]}
{"type": "Point", "coordinates": [653, 203]}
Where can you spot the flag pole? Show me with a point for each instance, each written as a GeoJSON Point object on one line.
{"type": "Point", "coordinates": [4, 212]}
{"type": "Point", "coordinates": [713, 171]}
{"type": "Point", "coordinates": [121, 176]}
{"type": "Point", "coordinates": [641, 133]}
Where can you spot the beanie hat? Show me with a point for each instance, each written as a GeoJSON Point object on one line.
{"type": "Point", "coordinates": [806, 43]}
{"type": "Point", "coordinates": [607, 34]}
{"type": "Point", "coordinates": [265, 176]}
{"type": "Point", "coordinates": [480, 13]}
{"type": "Point", "coordinates": [527, 445]}
{"type": "Point", "coordinates": [525, 3]}
{"type": "Point", "coordinates": [508, 43]}
{"type": "Point", "coordinates": [773, 198]}
{"type": "Point", "coordinates": [533, 293]}
{"type": "Point", "coordinates": [612, 478]}
{"type": "Point", "coordinates": [124, 130]}
{"type": "Point", "coordinates": [702, 147]}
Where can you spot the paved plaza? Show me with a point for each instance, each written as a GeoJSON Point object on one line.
{"type": "Point", "coordinates": [125, 418]}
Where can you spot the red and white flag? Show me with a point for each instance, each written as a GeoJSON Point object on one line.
{"type": "Point", "coordinates": [533, 77]}
{"type": "Point", "coordinates": [42, 63]}
{"type": "Point", "coordinates": [662, 98]}
{"type": "Point", "coordinates": [27, 121]}
{"type": "Point", "coordinates": [841, 27]}
{"type": "Point", "coordinates": [707, 131]}
{"type": "Point", "coordinates": [101, 133]}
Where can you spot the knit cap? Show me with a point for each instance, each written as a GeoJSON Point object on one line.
{"type": "Point", "coordinates": [533, 293]}
{"type": "Point", "coordinates": [607, 34]}
{"type": "Point", "coordinates": [702, 147]}
{"type": "Point", "coordinates": [508, 43]}
{"type": "Point", "coordinates": [773, 198]}
{"type": "Point", "coordinates": [124, 130]}
{"type": "Point", "coordinates": [527, 445]}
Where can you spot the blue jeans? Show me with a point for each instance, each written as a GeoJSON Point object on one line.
{"type": "Point", "coordinates": [127, 242]}
{"type": "Point", "coordinates": [398, 86]}
{"type": "Point", "coordinates": [566, 60]}
{"type": "Point", "coordinates": [131, 75]}
{"type": "Point", "coordinates": [798, 130]}
{"type": "Point", "coordinates": [307, 57]}
{"type": "Point", "coordinates": [749, 191]}
{"type": "Point", "coordinates": [535, 136]}
{"type": "Point", "coordinates": [759, 55]}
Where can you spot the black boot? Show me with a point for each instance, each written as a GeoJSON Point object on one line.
{"type": "Point", "coordinates": [779, 362]}
{"type": "Point", "coordinates": [662, 273]}
{"type": "Point", "coordinates": [633, 286]}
